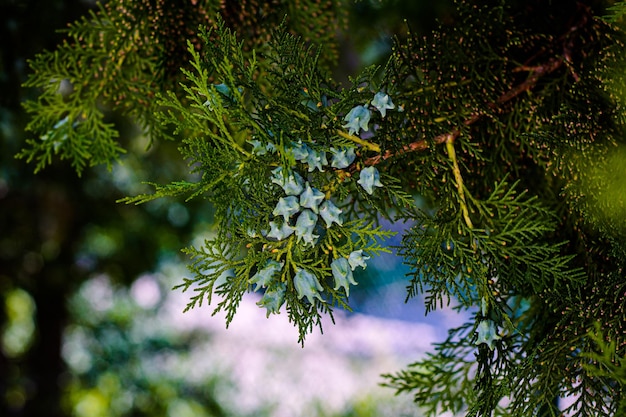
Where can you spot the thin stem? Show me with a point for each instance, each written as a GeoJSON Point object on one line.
{"type": "Point", "coordinates": [369, 145]}
{"type": "Point", "coordinates": [459, 181]}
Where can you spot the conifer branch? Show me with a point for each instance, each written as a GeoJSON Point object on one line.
{"type": "Point", "coordinates": [535, 74]}
{"type": "Point", "coordinates": [298, 203]}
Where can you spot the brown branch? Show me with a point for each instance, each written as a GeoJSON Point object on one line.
{"type": "Point", "coordinates": [535, 73]}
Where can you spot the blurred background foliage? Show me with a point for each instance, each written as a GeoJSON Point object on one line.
{"type": "Point", "coordinates": [77, 270]}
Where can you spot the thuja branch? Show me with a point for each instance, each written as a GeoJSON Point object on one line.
{"type": "Point", "coordinates": [535, 73]}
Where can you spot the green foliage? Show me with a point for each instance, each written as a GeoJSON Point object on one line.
{"type": "Point", "coordinates": [616, 12]}
{"type": "Point", "coordinates": [604, 362]}
{"type": "Point", "coordinates": [503, 120]}
{"type": "Point", "coordinates": [212, 122]}
{"type": "Point", "coordinates": [103, 62]}
{"type": "Point", "coordinates": [498, 247]}
{"type": "Point", "coordinates": [449, 260]}
{"type": "Point", "coordinates": [119, 57]}
{"type": "Point", "coordinates": [443, 380]}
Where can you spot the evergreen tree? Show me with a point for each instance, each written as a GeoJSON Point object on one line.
{"type": "Point", "coordinates": [507, 121]}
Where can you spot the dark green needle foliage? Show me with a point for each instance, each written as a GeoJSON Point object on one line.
{"type": "Point", "coordinates": [119, 58]}
{"type": "Point", "coordinates": [508, 120]}
{"type": "Point", "coordinates": [246, 139]}
{"type": "Point", "coordinates": [521, 241]}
